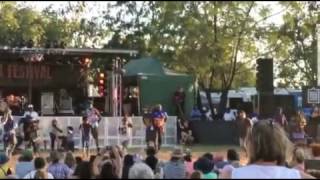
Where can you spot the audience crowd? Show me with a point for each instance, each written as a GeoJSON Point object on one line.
{"type": "Point", "coordinates": [269, 152]}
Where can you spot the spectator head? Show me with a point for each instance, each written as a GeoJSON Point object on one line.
{"type": "Point", "coordinates": [151, 151]}
{"type": "Point", "coordinates": [3, 159]}
{"type": "Point", "coordinates": [108, 171]}
{"type": "Point", "coordinates": [268, 142]}
{"type": "Point", "coordinates": [152, 162]}
{"type": "Point", "coordinates": [78, 160]}
{"type": "Point", "coordinates": [228, 110]}
{"type": "Point", "coordinates": [204, 165]}
{"type": "Point", "coordinates": [298, 155]}
{"type": "Point", "coordinates": [196, 175]}
{"type": "Point", "coordinates": [177, 154]}
{"type": "Point", "coordinates": [188, 155]}
{"type": "Point", "coordinates": [128, 160]}
{"type": "Point", "coordinates": [141, 171]}
{"type": "Point", "coordinates": [70, 160]}
{"type": "Point", "coordinates": [55, 157]}
{"type": "Point", "coordinates": [39, 164]}
{"type": "Point", "coordinates": [208, 156]}
{"type": "Point", "coordinates": [233, 155]}
{"type": "Point", "coordinates": [83, 170]}
{"type": "Point", "coordinates": [26, 155]}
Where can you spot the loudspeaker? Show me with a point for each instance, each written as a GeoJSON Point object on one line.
{"type": "Point", "coordinates": [264, 79]}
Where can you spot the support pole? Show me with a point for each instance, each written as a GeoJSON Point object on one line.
{"type": "Point", "coordinates": [318, 53]}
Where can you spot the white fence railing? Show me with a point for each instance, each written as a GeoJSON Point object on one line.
{"type": "Point", "coordinates": [108, 130]}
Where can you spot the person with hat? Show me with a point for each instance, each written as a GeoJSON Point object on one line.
{"type": "Point", "coordinates": [175, 168]}
{"type": "Point", "coordinates": [25, 164]}
{"type": "Point", "coordinates": [30, 112]}
{"type": "Point", "coordinates": [4, 166]}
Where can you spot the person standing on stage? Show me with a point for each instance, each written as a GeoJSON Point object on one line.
{"type": "Point", "coordinates": [9, 137]}
{"type": "Point", "coordinates": [179, 99]}
{"type": "Point", "coordinates": [30, 112]}
{"type": "Point", "coordinates": [94, 117]}
{"type": "Point", "coordinates": [124, 131]}
{"type": "Point", "coordinates": [244, 125]}
{"type": "Point", "coordinates": [85, 128]}
{"type": "Point", "coordinates": [159, 118]}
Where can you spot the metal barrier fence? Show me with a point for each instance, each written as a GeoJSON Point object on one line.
{"type": "Point", "coordinates": [108, 131]}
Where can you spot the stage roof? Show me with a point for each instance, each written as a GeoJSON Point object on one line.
{"type": "Point", "coordinates": [66, 51]}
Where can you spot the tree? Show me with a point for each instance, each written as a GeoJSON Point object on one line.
{"type": "Point", "coordinates": [214, 41]}
{"type": "Point", "coordinates": [294, 44]}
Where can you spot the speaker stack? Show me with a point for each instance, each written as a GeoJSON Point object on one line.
{"type": "Point", "coordinates": [265, 88]}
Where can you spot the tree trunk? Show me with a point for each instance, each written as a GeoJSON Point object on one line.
{"type": "Point", "coordinates": [208, 93]}
{"type": "Point", "coordinates": [223, 102]}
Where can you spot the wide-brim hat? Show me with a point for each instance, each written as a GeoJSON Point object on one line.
{"type": "Point", "coordinates": [177, 153]}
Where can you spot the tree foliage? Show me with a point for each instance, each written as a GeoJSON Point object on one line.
{"type": "Point", "coordinates": [294, 44]}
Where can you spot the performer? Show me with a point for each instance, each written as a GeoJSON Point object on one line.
{"type": "Point", "coordinates": [54, 134]}
{"type": "Point", "coordinates": [85, 129]}
{"type": "Point", "coordinates": [244, 124]}
{"type": "Point", "coordinates": [94, 117]}
{"type": "Point", "coordinates": [178, 100]}
{"type": "Point", "coordinates": [27, 122]}
{"type": "Point", "coordinates": [34, 139]}
{"type": "Point", "coordinates": [30, 112]}
{"type": "Point", "coordinates": [9, 137]}
{"type": "Point", "coordinates": [159, 118]}
{"type": "Point", "coordinates": [281, 119]}
{"type": "Point", "coordinates": [124, 130]}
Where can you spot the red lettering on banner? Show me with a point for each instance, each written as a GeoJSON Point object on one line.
{"type": "Point", "coordinates": [16, 71]}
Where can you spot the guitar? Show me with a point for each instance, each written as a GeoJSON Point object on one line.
{"type": "Point", "coordinates": [159, 123]}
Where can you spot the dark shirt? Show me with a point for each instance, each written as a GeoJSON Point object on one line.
{"type": "Point", "coordinates": [179, 97]}
{"type": "Point", "coordinates": [85, 129]}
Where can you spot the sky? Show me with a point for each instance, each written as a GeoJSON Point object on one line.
{"type": "Point", "coordinates": [98, 7]}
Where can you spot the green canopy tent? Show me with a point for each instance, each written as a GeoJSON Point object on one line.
{"type": "Point", "coordinates": [158, 84]}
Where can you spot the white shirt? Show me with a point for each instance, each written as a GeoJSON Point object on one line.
{"type": "Point", "coordinates": [229, 116]}
{"type": "Point", "coordinates": [33, 173]}
{"type": "Point", "coordinates": [33, 114]}
{"type": "Point", "coordinates": [265, 172]}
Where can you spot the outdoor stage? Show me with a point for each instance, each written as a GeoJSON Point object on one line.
{"type": "Point", "coordinates": [108, 131]}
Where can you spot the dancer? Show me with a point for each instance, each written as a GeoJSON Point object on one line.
{"type": "Point", "coordinates": [9, 137]}
{"type": "Point", "coordinates": [54, 134]}
{"type": "Point", "coordinates": [124, 130]}
{"type": "Point", "coordinates": [94, 117]}
{"type": "Point", "coordinates": [85, 129]}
